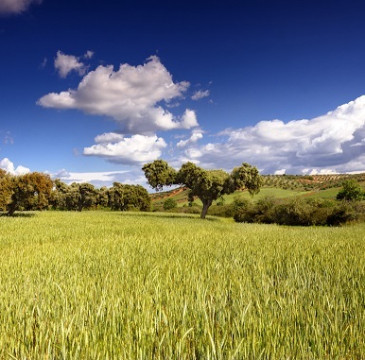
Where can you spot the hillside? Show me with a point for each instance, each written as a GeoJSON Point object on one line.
{"type": "Point", "coordinates": [278, 186]}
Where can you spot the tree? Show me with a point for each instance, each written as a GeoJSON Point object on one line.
{"type": "Point", "coordinates": [169, 204]}
{"type": "Point", "coordinates": [87, 196]}
{"type": "Point", "coordinates": [75, 196]}
{"type": "Point", "coordinates": [5, 190]}
{"type": "Point", "coordinates": [58, 197]}
{"type": "Point", "coordinates": [159, 174]}
{"type": "Point", "coordinates": [128, 197]}
{"type": "Point", "coordinates": [29, 191]}
{"type": "Point", "coordinates": [103, 196]}
{"type": "Point", "coordinates": [207, 185]}
{"type": "Point", "coordinates": [351, 191]}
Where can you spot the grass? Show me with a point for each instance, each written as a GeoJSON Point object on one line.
{"type": "Point", "coordinates": [110, 285]}
{"type": "Point", "coordinates": [182, 197]}
{"type": "Point", "coordinates": [324, 194]}
{"type": "Point", "coordinates": [264, 192]}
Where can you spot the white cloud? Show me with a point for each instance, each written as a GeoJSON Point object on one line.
{"type": "Point", "coordinates": [324, 142]}
{"type": "Point", "coordinates": [92, 177]}
{"type": "Point", "coordinates": [103, 178]}
{"type": "Point", "coordinates": [8, 166]}
{"type": "Point", "coordinates": [200, 94]}
{"type": "Point", "coordinates": [132, 96]}
{"type": "Point", "coordinates": [16, 6]}
{"type": "Point", "coordinates": [136, 149]}
{"type": "Point", "coordinates": [196, 135]}
{"type": "Point", "coordinates": [189, 120]}
{"type": "Point", "coordinates": [280, 172]}
{"type": "Point", "coordinates": [320, 172]}
{"type": "Point", "coordinates": [64, 64]}
{"type": "Point", "coordinates": [89, 54]}
{"type": "Point", "coordinates": [108, 138]}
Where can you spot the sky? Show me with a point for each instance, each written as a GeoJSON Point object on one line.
{"type": "Point", "coordinates": [92, 90]}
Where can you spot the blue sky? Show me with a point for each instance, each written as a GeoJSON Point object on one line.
{"type": "Point", "coordinates": [91, 90]}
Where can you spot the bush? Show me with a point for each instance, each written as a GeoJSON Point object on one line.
{"type": "Point", "coordinates": [221, 210]}
{"type": "Point", "coordinates": [341, 214]}
{"type": "Point", "coordinates": [298, 212]}
{"type": "Point", "coordinates": [169, 204]}
{"type": "Point", "coordinates": [351, 191]}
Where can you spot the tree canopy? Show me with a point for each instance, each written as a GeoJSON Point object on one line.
{"type": "Point", "coordinates": [207, 185]}
{"type": "Point", "coordinates": [24, 192]}
{"type": "Point", "coordinates": [351, 191]}
{"type": "Point", "coordinates": [128, 197]}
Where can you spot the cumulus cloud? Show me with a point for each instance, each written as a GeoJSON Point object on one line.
{"type": "Point", "coordinates": [136, 149]}
{"type": "Point", "coordinates": [8, 166]}
{"type": "Point", "coordinates": [196, 135]}
{"type": "Point", "coordinates": [102, 178]}
{"type": "Point", "coordinates": [334, 141]}
{"type": "Point", "coordinates": [200, 94]}
{"type": "Point", "coordinates": [64, 64]}
{"type": "Point", "coordinates": [132, 95]}
{"type": "Point", "coordinates": [16, 6]}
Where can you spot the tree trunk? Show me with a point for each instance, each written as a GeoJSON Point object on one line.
{"type": "Point", "coordinates": [206, 205]}
{"type": "Point", "coordinates": [11, 209]}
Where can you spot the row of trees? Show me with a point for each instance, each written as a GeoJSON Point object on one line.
{"type": "Point", "coordinates": [207, 185]}
{"type": "Point", "coordinates": [37, 191]}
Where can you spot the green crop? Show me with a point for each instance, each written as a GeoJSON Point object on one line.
{"type": "Point", "coordinates": [111, 285]}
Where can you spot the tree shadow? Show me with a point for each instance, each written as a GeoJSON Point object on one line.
{"type": "Point", "coordinates": [18, 215]}
{"type": "Point", "coordinates": [161, 215]}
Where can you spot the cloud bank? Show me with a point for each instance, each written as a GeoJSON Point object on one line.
{"type": "Point", "coordinates": [8, 166]}
{"type": "Point", "coordinates": [134, 96]}
{"type": "Point", "coordinates": [8, 7]}
{"type": "Point", "coordinates": [332, 142]}
{"type": "Point", "coordinates": [102, 178]}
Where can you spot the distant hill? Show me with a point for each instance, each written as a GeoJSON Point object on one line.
{"type": "Point", "coordinates": [278, 186]}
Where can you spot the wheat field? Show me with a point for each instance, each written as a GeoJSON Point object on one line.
{"type": "Point", "coordinates": [111, 285]}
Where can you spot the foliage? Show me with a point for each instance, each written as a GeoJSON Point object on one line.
{"type": "Point", "coordinates": [31, 191]}
{"type": "Point", "coordinates": [351, 191]}
{"type": "Point", "coordinates": [169, 204]}
{"type": "Point", "coordinates": [106, 285]}
{"type": "Point", "coordinates": [5, 190]}
{"type": "Point", "coordinates": [207, 185]}
{"type": "Point", "coordinates": [159, 174]}
{"type": "Point", "coordinates": [75, 196]}
{"type": "Point", "coordinates": [304, 212]}
{"type": "Point", "coordinates": [128, 197]}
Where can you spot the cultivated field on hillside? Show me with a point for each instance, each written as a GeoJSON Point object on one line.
{"type": "Point", "coordinates": [276, 186]}
{"type": "Point", "coordinates": [112, 285]}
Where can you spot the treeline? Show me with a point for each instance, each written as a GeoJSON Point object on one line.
{"type": "Point", "coordinates": [37, 191]}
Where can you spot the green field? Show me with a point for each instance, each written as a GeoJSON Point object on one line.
{"type": "Point", "coordinates": [111, 285]}
{"type": "Point", "coordinates": [182, 197]}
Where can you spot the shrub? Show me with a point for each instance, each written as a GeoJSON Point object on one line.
{"type": "Point", "coordinates": [169, 204]}
{"type": "Point", "coordinates": [351, 191]}
{"type": "Point", "coordinates": [298, 212]}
